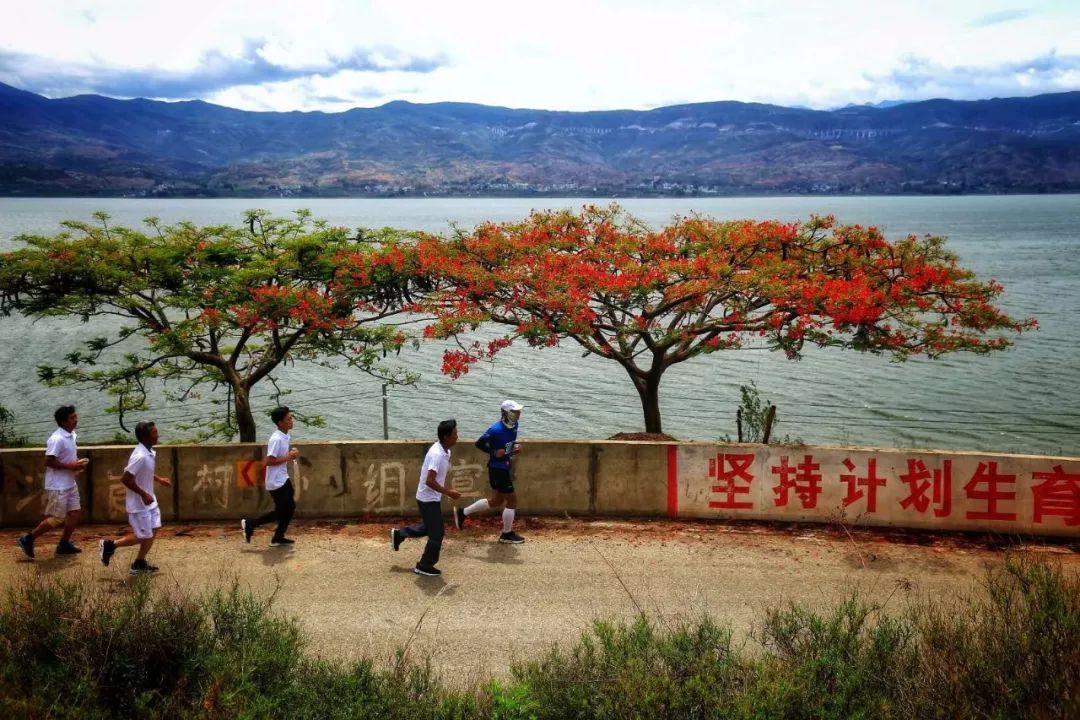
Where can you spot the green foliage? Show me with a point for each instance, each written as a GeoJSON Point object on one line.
{"type": "Point", "coordinates": [754, 415]}
{"type": "Point", "coordinates": [754, 412]}
{"type": "Point", "coordinates": [638, 670]}
{"type": "Point", "coordinates": [215, 309]}
{"type": "Point", "coordinates": [8, 436]}
{"type": "Point", "coordinates": [512, 702]}
{"type": "Point", "coordinates": [72, 649]}
{"type": "Point", "coordinates": [1013, 651]}
{"type": "Point", "coordinates": [847, 664]}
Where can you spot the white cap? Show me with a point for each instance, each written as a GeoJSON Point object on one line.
{"type": "Point", "coordinates": [509, 406]}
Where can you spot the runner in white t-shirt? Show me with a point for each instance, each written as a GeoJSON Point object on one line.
{"type": "Point", "coordinates": [278, 483]}
{"type": "Point", "coordinates": [62, 465]}
{"type": "Point", "coordinates": [141, 502]}
{"type": "Point", "coordinates": [429, 500]}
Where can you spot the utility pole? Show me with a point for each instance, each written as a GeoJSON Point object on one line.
{"type": "Point", "coordinates": [385, 422]}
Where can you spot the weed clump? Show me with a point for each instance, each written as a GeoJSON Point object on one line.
{"type": "Point", "coordinates": [70, 650]}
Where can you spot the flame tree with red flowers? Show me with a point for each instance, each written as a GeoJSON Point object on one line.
{"type": "Point", "coordinates": [648, 299]}
{"type": "Point", "coordinates": [217, 307]}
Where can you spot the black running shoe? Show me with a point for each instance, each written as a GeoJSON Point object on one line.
{"type": "Point", "coordinates": [66, 547]}
{"type": "Point", "coordinates": [512, 538]}
{"type": "Point", "coordinates": [248, 529]}
{"type": "Point", "coordinates": [459, 518]}
{"type": "Point", "coordinates": [26, 544]}
{"type": "Point", "coordinates": [427, 570]}
{"type": "Point", "coordinates": [141, 567]}
{"type": "Point", "coordinates": [395, 538]}
{"type": "Point", "coordinates": [281, 542]}
{"type": "Point", "coordinates": [106, 549]}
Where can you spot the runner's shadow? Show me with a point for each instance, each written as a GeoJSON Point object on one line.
{"type": "Point", "coordinates": [271, 555]}
{"type": "Point", "coordinates": [501, 553]}
{"type": "Point", "coordinates": [869, 561]}
{"type": "Point", "coordinates": [56, 564]}
{"type": "Point", "coordinates": [434, 586]}
{"type": "Point", "coordinates": [428, 585]}
{"type": "Point", "coordinates": [125, 582]}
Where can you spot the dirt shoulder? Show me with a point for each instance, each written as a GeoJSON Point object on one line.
{"type": "Point", "coordinates": [354, 596]}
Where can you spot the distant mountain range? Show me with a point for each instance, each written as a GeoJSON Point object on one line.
{"type": "Point", "coordinates": [879, 105]}
{"type": "Point", "coordinates": [93, 145]}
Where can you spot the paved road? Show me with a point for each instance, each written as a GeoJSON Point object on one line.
{"type": "Point", "coordinates": [354, 596]}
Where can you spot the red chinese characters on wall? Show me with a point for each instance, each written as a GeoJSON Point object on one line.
{"type": "Point", "coordinates": [1058, 494]}
{"type": "Point", "coordinates": [988, 494]}
{"type": "Point", "coordinates": [803, 479]}
{"type": "Point", "coordinates": [860, 487]}
{"type": "Point", "coordinates": [731, 482]}
{"type": "Point", "coordinates": [920, 481]}
{"type": "Point", "coordinates": [994, 489]}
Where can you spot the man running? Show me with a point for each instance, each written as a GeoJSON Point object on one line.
{"type": "Point", "coordinates": [278, 483]}
{"type": "Point", "coordinates": [500, 443]}
{"type": "Point", "coordinates": [62, 465]}
{"type": "Point", "coordinates": [144, 516]}
{"type": "Point", "coordinates": [429, 500]}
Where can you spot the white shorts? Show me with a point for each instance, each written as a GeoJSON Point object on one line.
{"type": "Point", "coordinates": [59, 503]}
{"type": "Point", "coordinates": [144, 523]}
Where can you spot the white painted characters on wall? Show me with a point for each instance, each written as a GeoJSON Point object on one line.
{"type": "Point", "coordinates": [465, 478]}
{"type": "Point", "coordinates": [117, 495]}
{"type": "Point", "coordinates": [29, 488]}
{"type": "Point", "coordinates": [384, 487]}
{"type": "Point", "coordinates": [211, 488]}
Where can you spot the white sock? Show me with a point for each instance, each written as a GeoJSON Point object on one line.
{"type": "Point", "coordinates": [479, 506]}
{"type": "Point", "coordinates": [508, 520]}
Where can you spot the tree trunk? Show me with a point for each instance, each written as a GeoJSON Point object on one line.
{"type": "Point", "coordinates": [648, 387]}
{"type": "Point", "coordinates": [245, 423]}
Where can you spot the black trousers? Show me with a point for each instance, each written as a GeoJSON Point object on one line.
{"type": "Point", "coordinates": [431, 527]}
{"type": "Point", "coordinates": [284, 507]}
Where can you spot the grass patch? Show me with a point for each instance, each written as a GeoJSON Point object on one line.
{"type": "Point", "coordinates": [69, 649]}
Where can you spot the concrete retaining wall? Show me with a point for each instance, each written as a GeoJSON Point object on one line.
{"type": "Point", "coordinates": [861, 486]}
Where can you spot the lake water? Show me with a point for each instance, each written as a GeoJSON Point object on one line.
{"type": "Point", "coordinates": [1021, 400]}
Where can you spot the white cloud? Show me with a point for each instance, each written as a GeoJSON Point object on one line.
{"type": "Point", "coordinates": [920, 77]}
{"type": "Point", "coordinates": [560, 54]}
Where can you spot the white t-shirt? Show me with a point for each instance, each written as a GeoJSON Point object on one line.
{"type": "Point", "coordinates": [61, 446]}
{"type": "Point", "coordinates": [278, 446]}
{"type": "Point", "coordinates": [141, 465]}
{"type": "Point", "coordinates": [437, 459]}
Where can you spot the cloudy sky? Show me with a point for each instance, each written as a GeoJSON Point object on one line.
{"type": "Point", "coordinates": [551, 54]}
